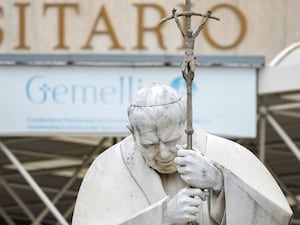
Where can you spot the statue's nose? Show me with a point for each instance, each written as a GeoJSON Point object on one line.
{"type": "Point", "coordinates": [164, 152]}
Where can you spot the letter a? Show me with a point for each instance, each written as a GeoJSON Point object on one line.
{"type": "Point", "coordinates": [110, 31]}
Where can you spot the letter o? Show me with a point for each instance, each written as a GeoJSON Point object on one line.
{"type": "Point", "coordinates": [243, 25]}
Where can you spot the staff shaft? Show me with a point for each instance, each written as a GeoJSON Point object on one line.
{"type": "Point", "coordinates": [188, 18]}
{"type": "Point", "coordinates": [189, 123]}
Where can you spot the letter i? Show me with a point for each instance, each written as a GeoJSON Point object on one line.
{"type": "Point", "coordinates": [130, 88]}
{"type": "Point", "coordinates": [121, 89]}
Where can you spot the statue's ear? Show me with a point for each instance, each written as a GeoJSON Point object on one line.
{"type": "Point", "coordinates": [130, 128]}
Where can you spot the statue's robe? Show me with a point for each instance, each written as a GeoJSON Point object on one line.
{"type": "Point", "coordinates": [119, 188]}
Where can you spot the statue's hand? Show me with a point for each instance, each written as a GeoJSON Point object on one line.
{"type": "Point", "coordinates": [197, 170]}
{"type": "Point", "coordinates": [184, 206]}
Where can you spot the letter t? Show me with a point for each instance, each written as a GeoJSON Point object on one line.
{"type": "Point", "coordinates": [61, 7]}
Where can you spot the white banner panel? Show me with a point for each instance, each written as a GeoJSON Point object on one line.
{"type": "Point", "coordinates": [40, 100]}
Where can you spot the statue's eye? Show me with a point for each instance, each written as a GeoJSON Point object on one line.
{"type": "Point", "coordinates": [151, 145]}
{"type": "Point", "coordinates": [148, 145]}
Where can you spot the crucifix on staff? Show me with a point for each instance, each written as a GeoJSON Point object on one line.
{"type": "Point", "coordinates": [188, 64]}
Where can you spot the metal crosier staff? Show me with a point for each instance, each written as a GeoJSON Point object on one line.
{"type": "Point", "coordinates": [188, 64]}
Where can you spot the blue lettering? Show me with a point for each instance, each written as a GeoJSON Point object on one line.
{"type": "Point", "coordinates": [39, 91]}
{"type": "Point", "coordinates": [106, 94]}
{"type": "Point", "coordinates": [58, 94]}
{"type": "Point", "coordinates": [36, 95]}
{"type": "Point", "coordinates": [130, 89]}
{"type": "Point", "coordinates": [121, 90]}
{"type": "Point", "coordinates": [83, 91]}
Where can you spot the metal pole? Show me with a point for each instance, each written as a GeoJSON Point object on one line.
{"type": "Point", "coordinates": [285, 188]}
{"type": "Point", "coordinates": [6, 217]}
{"type": "Point", "coordinates": [70, 182]}
{"type": "Point", "coordinates": [37, 204]}
{"type": "Point", "coordinates": [288, 141]}
{"type": "Point", "coordinates": [288, 114]}
{"type": "Point", "coordinates": [39, 154]}
{"type": "Point", "coordinates": [68, 212]}
{"type": "Point", "coordinates": [46, 189]}
{"type": "Point", "coordinates": [43, 171]}
{"type": "Point", "coordinates": [18, 200]}
{"type": "Point", "coordinates": [262, 139]}
{"type": "Point", "coordinates": [284, 106]}
{"type": "Point", "coordinates": [296, 221]}
{"type": "Point", "coordinates": [56, 198]}
{"type": "Point", "coordinates": [33, 184]}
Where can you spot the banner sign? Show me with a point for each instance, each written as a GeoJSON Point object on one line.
{"type": "Point", "coordinates": [80, 100]}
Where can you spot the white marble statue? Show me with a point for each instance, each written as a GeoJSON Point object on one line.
{"type": "Point", "coordinates": [150, 179]}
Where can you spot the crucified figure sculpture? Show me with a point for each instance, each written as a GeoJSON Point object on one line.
{"type": "Point", "coordinates": [189, 41]}
{"type": "Point", "coordinates": [188, 64]}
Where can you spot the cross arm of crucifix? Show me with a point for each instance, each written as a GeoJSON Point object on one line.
{"type": "Point", "coordinates": [186, 14]}
{"type": "Point", "coordinates": [179, 25]}
{"type": "Point", "coordinates": [200, 27]}
{"type": "Point", "coordinates": [189, 14]}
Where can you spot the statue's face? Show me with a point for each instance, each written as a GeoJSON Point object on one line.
{"type": "Point", "coordinates": [158, 143]}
